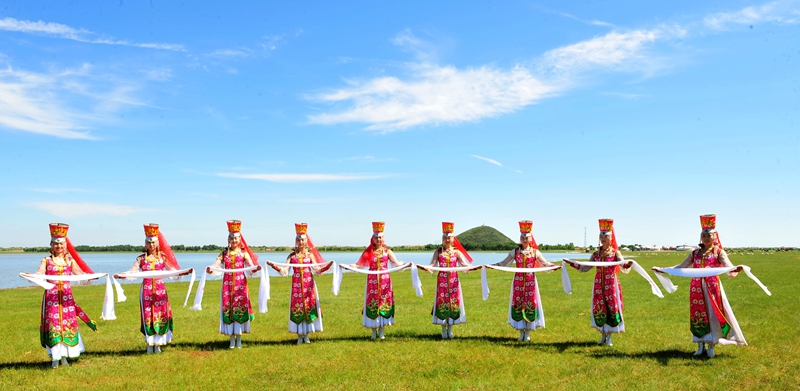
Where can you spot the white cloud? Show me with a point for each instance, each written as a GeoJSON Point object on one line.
{"type": "Point", "coordinates": [78, 209]}
{"type": "Point", "coordinates": [45, 103]}
{"type": "Point", "coordinates": [59, 30]}
{"type": "Point", "coordinates": [292, 178]}
{"type": "Point", "coordinates": [436, 95]}
{"type": "Point", "coordinates": [59, 190]}
{"type": "Point", "coordinates": [486, 159]}
{"type": "Point", "coordinates": [783, 12]}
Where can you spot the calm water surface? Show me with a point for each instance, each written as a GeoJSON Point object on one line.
{"type": "Point", "coordinates": [13, 264]}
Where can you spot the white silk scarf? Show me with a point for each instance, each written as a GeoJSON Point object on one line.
{"type": "Point", "coordinates": [108, 300]}
{"type": "Point", "coordinates": [634, 265]}
{"type": "Point", "coordinates": [485, 283]}
{"type": "Point", "coordinates": [263, 287]}
{"type": "Point", "coordinates": [337, 273]}
{"type": "Point", "coordinates": [162, 274]}
{"type": "Point", "coordinates": [701, 273]}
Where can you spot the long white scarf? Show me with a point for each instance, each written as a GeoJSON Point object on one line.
{"type": "Point", "coordinates": [485, 283]}
{"type": "Point", "coordinates": [337, 273]}
{"type": "Point", "coordinates": [108, 300]}
{"type": "Point", "coordinates": [701, 273]}
{"type": "Point", "coordinates": [162, 274]}
{"type": "Point", "coordinates": [320, 265]}
{"type": "Point", "coordinates": [263, 287]}
{"type": "Point", "coordinates": [634, 265]}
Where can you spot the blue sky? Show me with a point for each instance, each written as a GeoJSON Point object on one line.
{"type": "Point", "coordinates": [114, 114]}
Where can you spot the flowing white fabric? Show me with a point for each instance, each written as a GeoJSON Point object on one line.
{"type": "Point", "coordinates": [518, 270]}
{"type": "Point", "coordinates": [415, 281]}
{"type": "Point", "coordinates": [162, 274]}
{"type": "Point", "coordinates": [450, 269]}
{"type": "Point", "coordinates": [108, 300]}
{"type": "Point", "coordinates": [634, 265]}
{"type": "Point", "coordinates": [302, 264]}
{"type": "Point", "coordinates": [701, 273]}
{"type": "Point", "coordinates": [337, 273]}
{"type": "Point", "coordinates": [263, 290]}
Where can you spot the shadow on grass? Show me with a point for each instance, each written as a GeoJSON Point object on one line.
{"type": "Point", "coordinates": [663, 357]}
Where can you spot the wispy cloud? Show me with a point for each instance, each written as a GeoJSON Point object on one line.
{"type": "Point", "coordinates": [59, 190]}
{"type": "Point", "coordinates": [486, 159]}
{"type": "Point", "coordinates": [783, 12]}
{"type": "Point", "coordinates": [592, 22]}
{"type": "Point", "coordinates": [45, 103]}
{"type": "Point", "coordinates": [59, 30]}
{"type": "Point", "coordinates": [293, 178]}
{"type": "Point", "coordinates": [79, 209]}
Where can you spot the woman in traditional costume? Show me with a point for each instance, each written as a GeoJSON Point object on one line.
{"type": "Point", "coordinates": [58, 331]}
{"type": "Point", "coordinates": [378, 294]}
{"type": "Point", "coordinates": [154, 307]}
{"type": "Point", "coordinates": [235, 312]}
{"type": "Point", "coordinates": [607, 302]}
{"type": "Point", "coordinates": [448, 305]}
{"type": "Point", "coordinates": [525, 311]}
{"type": "Point", "coordinates": [305, 314]}
{"type": "Point", "coordinates": [711, 319]}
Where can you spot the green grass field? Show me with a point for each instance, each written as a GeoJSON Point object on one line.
{"type": "Point", "coordinates": [655, 352]}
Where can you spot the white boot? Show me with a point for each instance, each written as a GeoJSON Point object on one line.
{"type": "Point", "coordinates": [608, 340]}
{"type": "Point", "coordinates": [305, 339]}
{"type": "Point", "coordinates": [380, 333]}
{"type": "Point", "coordinates": [450, 331]}
{"type": "Point", "coordinates": [374, 334]}
{"type": "Point", "coordinates": [602, 339]}
{"type": "Point", "coordinates": [233, 342]}
{"type": "Point", "coordinates": [701, 348]}
{"type": "Point", "coordinates": [54, 364]}
{"type": "Point", "coordinates": [521, 335]}
{"type": "Point", "coordinates": [710, 351]}
{"type": "Point", "coordinates": [444, 331]}
{"type": "Point", "coordinates": [239, 341]}
{"type": "Point", "coordinates": [64, 362]}
{"type": "Point", "coordinates": [299, 339]}
{"type": "Point", "coordinates": [157, 349]}
{"type": "Point", "coordinates": [527, 335]}
{"type": "Point", "coordinates": [149, 349]}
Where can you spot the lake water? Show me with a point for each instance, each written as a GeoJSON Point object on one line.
{"type": "Point", "coordinates": [13, 264]}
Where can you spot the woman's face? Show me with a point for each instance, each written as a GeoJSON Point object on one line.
{"type": "Point", "coordinates": [707, 238]}
{"type": "Point", "coordinates": [605, 240]}
{"type": "Point", "coordinates": [378, 241]}
{"type": "Point", "coordinates": [447, 241]}
{"type": "Point", "coordinates": [301, 242]}
{"type": "Point", "coordinates": [234, 241]}
{"type": "Point", "coordinates": [151, 247]}
{"type": "Point", "coordinates": [525, 241]}
{"type": "Point", "coordinates": [58, 248]}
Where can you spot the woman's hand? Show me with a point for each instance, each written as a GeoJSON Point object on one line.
{"type": "Point", "coordinates": [627, 265]}
{"type": "Point", "coordinates": [657, 270]}
{"type": "Point", "coordinates": [208, 269]}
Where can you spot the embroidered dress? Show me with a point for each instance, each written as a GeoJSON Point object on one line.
{"type": "Point", "coordinates": [235, 312]}
{"type": "Point", "coordinates": [378, 294]}
{"type": "Point", "coordinates": [155, 309]}
{"type": "Point", "coordinates": [305, 316]}
{"type": "Point", "coordinates": [448, 304]}
{"type": "Point", "coordinates": [525, 306]}
{"type": "Point", "coordinates": [607, 302]}
{"type": "Point", "coordinates": [58, 331]}
{"type": "Point", "coordinates": [711, 318]}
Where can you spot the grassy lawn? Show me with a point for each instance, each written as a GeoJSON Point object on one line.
{"type": "Point", "coordinates": [654, 353]}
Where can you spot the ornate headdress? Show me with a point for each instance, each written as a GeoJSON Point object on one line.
{"type": "Point", "coordinates": [234, 227]}
{"type": "Point", "coordinates": [153, 234]}
{"type": "Point", "coordinates": [526, 228]}
{"type": "Point", "coordinates": [234, 230]}
{"type": "Point", "coordinates": [301, 229]}
{"type": "Point", "coordinates": [708, 223]}
{"type": "Point", "coordinates": [377, 228]}
{"type": "Point", "coordinates": [607, 228]}
{"type": "Point", "coordinates": [58, 234]}
{"type": "Point", "coordinates": [447, 229]}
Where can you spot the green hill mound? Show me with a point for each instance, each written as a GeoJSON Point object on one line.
{"type": "Point", "coordinates": [484, 235]}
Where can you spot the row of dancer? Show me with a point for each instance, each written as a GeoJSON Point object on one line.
{"type": "Point", "coordinates": [712, 321]}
